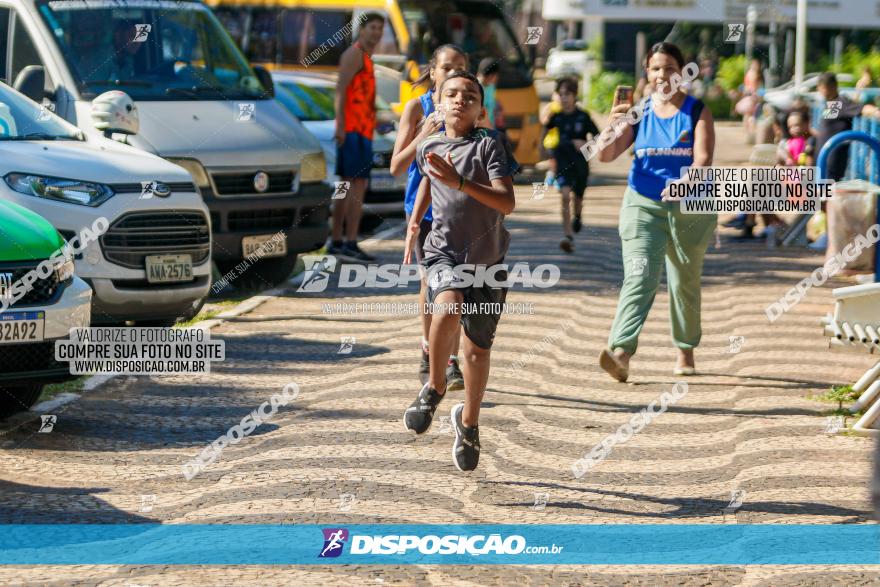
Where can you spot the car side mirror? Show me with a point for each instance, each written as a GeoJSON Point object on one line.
{"type": "Point", "coordinates": [31, 81]}
{"type": "Point", "coordinates": [265, 80]}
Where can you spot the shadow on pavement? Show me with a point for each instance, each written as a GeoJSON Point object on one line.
{"type": "Point", "coordinates": [684, 507]}
{"type": "Point", "coordinates": [272, 346]}
{"type": "Point", "coordinates": [32, 504]}
{"type": "Point", "coordinates": [601, 406]}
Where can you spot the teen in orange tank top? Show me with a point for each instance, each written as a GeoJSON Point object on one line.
{"type": "Point", "coordinates": [360, 100]}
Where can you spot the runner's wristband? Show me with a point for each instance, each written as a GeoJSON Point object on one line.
{"type": "Point", "coordinates": [460, 182]}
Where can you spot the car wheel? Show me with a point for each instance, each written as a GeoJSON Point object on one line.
{"type": "Point", "coordinates": [194, 309]}
{"type": "Point", "coordinates": [18, 399]}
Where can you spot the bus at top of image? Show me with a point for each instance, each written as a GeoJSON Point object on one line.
{"type": "Point", "coordinates": [312, 34]}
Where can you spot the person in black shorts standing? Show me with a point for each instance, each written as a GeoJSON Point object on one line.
{"type": "Point", "coordinates": [470, 188]}
{"type": "Point", "coordinates": [572, 169]}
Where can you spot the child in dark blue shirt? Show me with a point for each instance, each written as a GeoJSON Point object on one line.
{"type": "Point", "coordinates": [572, 169]}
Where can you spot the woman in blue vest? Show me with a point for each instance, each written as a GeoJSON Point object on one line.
{"type": "Point", "coordinates": [675, 131]}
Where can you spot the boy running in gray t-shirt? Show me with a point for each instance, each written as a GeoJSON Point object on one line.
{"type": "Point", "coordinates": [470, 188]}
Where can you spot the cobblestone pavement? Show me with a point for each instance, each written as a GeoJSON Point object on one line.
{"type": "Point", "coordinates": [746, 424]}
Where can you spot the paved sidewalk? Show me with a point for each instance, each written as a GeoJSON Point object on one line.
{"type": "Point", "coordinates": [747, 423]}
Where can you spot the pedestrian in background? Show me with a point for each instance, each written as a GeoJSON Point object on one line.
{"type": "Point", "coordinates": [572, 170]}
{"type": "Point", "coordinates": [674, 132]}
{"type": "Point", "coordinates": [799, 149]}
{"type": "Point", "coordinates": [775, 128]}
{"type": "Point", "coordinates": [487, 73]}
{"type": "Point", "coordinates": [866, 80]}
{"type": "Point", "coordinates": [748, 106]}
{"type": "Point", "coordinates": [355, 105]}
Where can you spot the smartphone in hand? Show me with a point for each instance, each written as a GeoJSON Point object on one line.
{"type": "Point", "coordinates": [623, 95]}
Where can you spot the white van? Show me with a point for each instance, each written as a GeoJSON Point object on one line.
{"type": "Point", "coordinates": [201, 106]}
{"type": "Point", "coordinates": [152, 265]}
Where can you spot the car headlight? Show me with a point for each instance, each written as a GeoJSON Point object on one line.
{"type": "Point", "coordinates": [200, 176]}
{"type": "Point", "coordinates": [72, 191]}
{"type": "Point", "coordinates": [313, 168]}
{"type": "Point", "coordinates": [64, 268]}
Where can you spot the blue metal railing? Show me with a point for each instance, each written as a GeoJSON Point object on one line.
{"type": "Point", "coordinates": [863, 162]}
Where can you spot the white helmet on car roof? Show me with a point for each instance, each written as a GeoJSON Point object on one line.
{"type": "Point", "coordinates": [115, 112]}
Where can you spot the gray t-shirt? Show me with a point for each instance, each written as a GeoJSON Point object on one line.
{"type": "Point", "coordinates": [464, 229]}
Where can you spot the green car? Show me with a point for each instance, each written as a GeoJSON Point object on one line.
{"type": "Point", "coordinates": [40, 301]}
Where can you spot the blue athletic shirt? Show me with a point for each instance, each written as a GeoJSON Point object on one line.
{"type": "Point", "coordinates": [414, 176]}
{"type": "Point", "coordinates": [662, 147]}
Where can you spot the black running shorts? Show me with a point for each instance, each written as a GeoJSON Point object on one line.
{"type": "Point", "coordinates": [482, 304]}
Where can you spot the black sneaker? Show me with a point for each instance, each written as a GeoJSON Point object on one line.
{"type": "Point", "coordinates": [336, 248]}
{"type": "Point", "coordinates": [419, 415]}
{"type": "Point", "coordinates": [466, 448]}
{"type": "Point", "coordinates": [454, 378]}
{"type": "Point", "coordinates": [567, 244]}
{"type": "Point", "coordinates": [424, 367]}
{"type": "Point", "coordinates": [354, 251]}
{"type": "Point", "coordinates": [576, 224]}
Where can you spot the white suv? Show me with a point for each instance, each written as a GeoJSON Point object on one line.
{"type": "Point", "coordinates": [153, 264]}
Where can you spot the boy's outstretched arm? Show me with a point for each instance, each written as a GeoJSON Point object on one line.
{"type": "Point", "coordinates": [498, 196]}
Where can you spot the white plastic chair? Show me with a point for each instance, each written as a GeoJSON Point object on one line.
{"type": "Point", "coordinates": [856, 325]}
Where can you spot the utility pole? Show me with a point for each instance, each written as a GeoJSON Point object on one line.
{"type": "Point", "coordinates": [773, 56]}
{"type": "Point", "coordinates": [751, 20]}
{"type": "Point", "coordinates": [641, 50]}
{"type": "Point", "coordinates": [800, 57]}
{"type": "Point", "coordinates": [837, 49]}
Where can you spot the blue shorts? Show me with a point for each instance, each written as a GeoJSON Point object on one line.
{"type": "Point", "coordinates": [354, 158]}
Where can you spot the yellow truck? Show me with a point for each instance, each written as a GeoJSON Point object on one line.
{"type": "Point", "coordinates": [312, 34]}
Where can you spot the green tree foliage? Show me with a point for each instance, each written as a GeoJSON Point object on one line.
{"type": "Point", "coordinates": [854, 60]}
{"type": "Point", "coordinates": [602, 89]}
{"type": "Point", "coordinates": [731, 72]}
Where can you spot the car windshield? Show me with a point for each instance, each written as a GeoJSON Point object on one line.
{"type": "Point", "coordinates": [308, 103]}
{"type": "Point", "coordinates": [150, 49]}
{"type": "Point", "coordinates": [478, 27]}
{"type": "Point", "coordinates": [22, 119]}
{"type": "Point", "coordinates": [573, 45]}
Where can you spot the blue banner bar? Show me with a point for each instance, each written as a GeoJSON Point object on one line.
{"type": "Point", "coordinates": [626, 544]}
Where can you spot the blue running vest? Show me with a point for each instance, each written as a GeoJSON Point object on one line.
{"type": "Point", "coordinates": [662, 147]}
{"type": "Point", "coordinates": [414, 177]}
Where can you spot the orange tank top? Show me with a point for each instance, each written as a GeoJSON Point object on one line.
{"type": "Point", "coordinates": [360, 100]}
